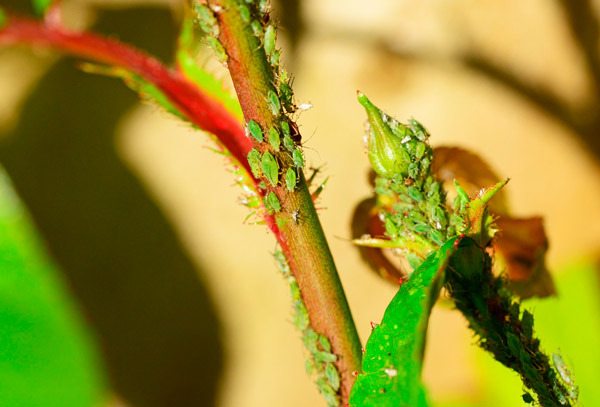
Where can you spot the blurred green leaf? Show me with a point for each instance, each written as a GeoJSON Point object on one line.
{"type": "Point", "coordinates": [47, 357]}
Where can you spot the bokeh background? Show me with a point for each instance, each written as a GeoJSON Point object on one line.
{"type": "Point", "coordinates": [128, 276]}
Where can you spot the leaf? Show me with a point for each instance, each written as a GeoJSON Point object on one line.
{"type": "Point", "coordinates": [46, 355]}
{"type": "Point", "coordinates": [393, 357]}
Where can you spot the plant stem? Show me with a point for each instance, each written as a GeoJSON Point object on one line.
{"type": "Point", "coordinates": [297, 225]}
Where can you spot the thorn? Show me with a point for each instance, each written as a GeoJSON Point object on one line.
{"type": "Point", "coordinates": [355, 373]}
{"type": "Point", "coordinates": [374, 325]}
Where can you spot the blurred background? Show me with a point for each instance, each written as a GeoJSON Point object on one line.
{"type": "Point", "coordinates": [128, 276]}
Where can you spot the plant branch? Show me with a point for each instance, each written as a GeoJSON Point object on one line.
{"type": "Point", "coordinates": [300, 233]}
{"type": "Point", "coordinates": [199, 108]}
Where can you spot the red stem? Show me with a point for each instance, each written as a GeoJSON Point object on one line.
{"type": "Point", "coordinates": [199, 108]}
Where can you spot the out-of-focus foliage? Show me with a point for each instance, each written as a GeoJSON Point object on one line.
{"type": "Point", "coordinates": [47, 356]}
{"type": "Point", "coordinates": [570, 325]}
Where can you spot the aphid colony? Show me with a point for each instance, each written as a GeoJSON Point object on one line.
{"type": "Point", "coordinates": [321, 362]}
{"type": "Point", "coordinates": [276, 158]}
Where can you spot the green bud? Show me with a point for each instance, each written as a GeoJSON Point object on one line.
{"type": "Point", "coordinates": [386, 153]}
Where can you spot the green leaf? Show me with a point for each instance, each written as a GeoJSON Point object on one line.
{"type": "Point", "coordinates": [46, 354]}
{"type": "Point", "coordinates": [393, 357]}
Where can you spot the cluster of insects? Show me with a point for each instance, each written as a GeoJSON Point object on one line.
{"type": "Point", "coordinates": [276, 157]}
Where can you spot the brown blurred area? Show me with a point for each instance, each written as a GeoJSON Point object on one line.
{"type": "Point", "coordinates": [184, 298]}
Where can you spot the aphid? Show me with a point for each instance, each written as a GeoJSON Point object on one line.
{"type": "Point", "coordinates": [288, 143]}
{"type": "Point", "coordinates": [257, 29]}
{"type": "Point", "coordinates": [273, 101]}
{"type": "Point", "coordinates": [254, 162]}
{"type": "Point", "coordinates": [285, 128]}
{"type": "Point", "coordinates": [244, 13]}
{"type": "Point", "coordinates": [206, 19]}
{"type": "Point", "coordinates": [272, 203]}
{"type": "Point", "coordinates": [274, 59]}
{"type": "Point", "coordinates": [217, 48]}
{"type": "Point", "coordinates": [333, 376]}
{"type": "Point", "coordinates": [274, 139]}
{"type": "Point", "coordinates": [298, 158]}
{"type": "Point", "coordinates": [415, 194]}
{"type": "Point", "coordinates": [269, 40]}
{"type": "Point", "coordinates": [286, 93]}
{"type": "Point", "coordinates": [255, 130]}
{"type": "Point", "coordinates": [270, 168]}
{"type": "Point", "coordinates": [290, 180]}
{"type": "Point", "coordinates": [263, 6]}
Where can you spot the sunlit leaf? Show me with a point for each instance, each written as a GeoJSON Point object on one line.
{"type": "Point", "coordinates": [393, 357]}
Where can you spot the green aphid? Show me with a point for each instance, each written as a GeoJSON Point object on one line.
{"type": "Point", "coordinates": [245, 13]}
{"type": "Point", "coordinates": [285, 128]}
{"type": "Point", "coordinates": [272, 203]}
{"type": "Point", "coordinates": [206, 19]}
{"type": "Point", "coordinates": [298, 158]}
{"type": "Point", "coordinates": [290, 179]}
{"type": "Point", "coordinates": [273, 101]}
{"type": "Point", "coordinates": [255, 131]}
{"type": "Point", "coordinates": [437, 237]}
{"type": "Point", "coordinates": [301, 320]}
{"type": "Point", "coordinates": [274, 138]}
{"type": "Point", "coordinates": [257, 29]}
{"type": "Point", "coordinates": [333, 376]}
{"type": "Point", "coordinates": [422, 228]}
{"type": "Point", "coordinates": [324, 342]}
{"type": "Point", "coordinates": [420, 149]}
{"type": "Point", "coordinates": [288, 143]}
{"type": "Point", "coordinates": [418, 130]}
{"type": "Point", "coordinates": [274, 59]}
{"type": "Point", "coordinates": [218, 49]}
{"type": "Point", "coordinates": [269, 40]}
{"type": "Point", "coordinates": [287, 94]}
{"type": "Point", "coordinates": [310, 339]}
{"type": "Point", "coordinates": [415, 194]}
{"type": "Point", "coordinates": [254, 162]}
{"type": "Point", "coordinates": [324, 357]}
{"type": "Point", "coordinates": [263, 6]}
{"type": "Point", "coordinates": [270, 168]}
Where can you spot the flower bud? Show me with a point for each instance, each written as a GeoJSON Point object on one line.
{"type": "Point", "coordinates": [386, 152]}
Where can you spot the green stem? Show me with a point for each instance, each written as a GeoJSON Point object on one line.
{"type": "Point", "coordinates": [296, 226]}
{"type": "Point", "coordinates": [502, 327]}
